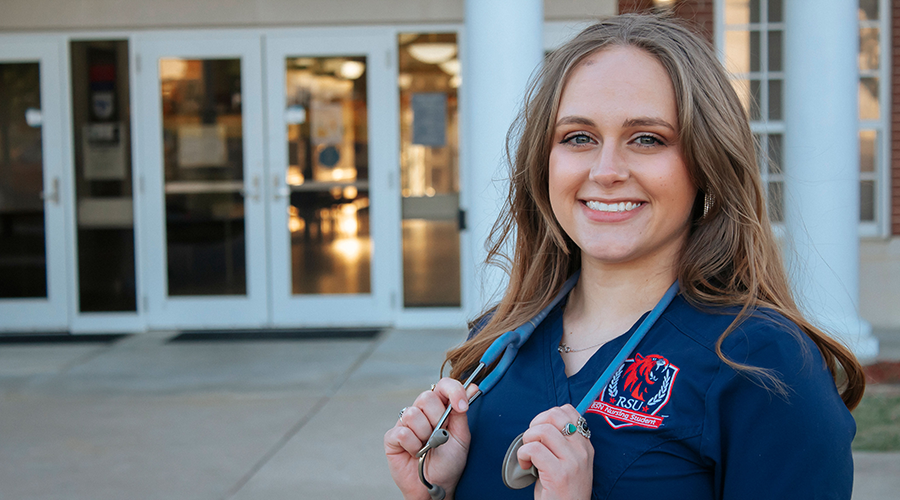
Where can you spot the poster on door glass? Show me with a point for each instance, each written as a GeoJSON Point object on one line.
{"type": "Point", "coordinates": [104, 151]}
{"type": "Point", "coordinates": [202, 146]}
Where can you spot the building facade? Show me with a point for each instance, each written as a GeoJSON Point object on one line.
{"type": "Point", "coordinates": [204, 164]}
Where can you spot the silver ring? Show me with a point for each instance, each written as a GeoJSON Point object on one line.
{"type": "Point", "coordinates": [403, 410]}
{"type": "Point", "coordinates": [583, 427]}
{"type": "Point", "coordinates": [580, 427]}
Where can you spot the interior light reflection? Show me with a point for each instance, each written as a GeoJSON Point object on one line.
{"type": "Point", "coordinates": [351, 249]}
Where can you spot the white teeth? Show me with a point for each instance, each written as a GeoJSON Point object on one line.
{"type": "Point", "coordinates": [612, 207]}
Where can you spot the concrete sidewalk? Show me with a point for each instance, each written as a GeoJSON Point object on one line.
{"type": "Point", "coordinates": [147, 419]}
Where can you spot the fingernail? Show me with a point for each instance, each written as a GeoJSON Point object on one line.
{"type": "Point", "coordinates": [463, 405]}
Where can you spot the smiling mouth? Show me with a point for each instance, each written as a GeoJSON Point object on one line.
{"type": "Point", "coordinates": [625, 206]}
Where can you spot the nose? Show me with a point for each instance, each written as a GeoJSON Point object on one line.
{"type": "Point", "coordinates": [610, 168]}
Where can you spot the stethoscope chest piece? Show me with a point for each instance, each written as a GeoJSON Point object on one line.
{"type": "Point", "coordinates": [514, 476]}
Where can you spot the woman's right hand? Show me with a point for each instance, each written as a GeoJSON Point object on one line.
{"type": "Point", "coordinates": [445, 463]}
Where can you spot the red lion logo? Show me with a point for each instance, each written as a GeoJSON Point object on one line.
{"type": "Point", "coordinates": [643, 373]}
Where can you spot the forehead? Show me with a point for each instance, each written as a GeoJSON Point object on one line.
{"type": "Point", "coordinates": [622, 79]}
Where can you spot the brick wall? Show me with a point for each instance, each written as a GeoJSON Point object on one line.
{"type": "Point", "coordinates": [895, 118]}
{"type": "Point", "coordinates": [699, 12]}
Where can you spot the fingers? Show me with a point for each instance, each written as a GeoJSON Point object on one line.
{"type": "Point", "coordinates": [416, 420]}
{"type": "Point", "coordinates": [545, 443]}
{"type": "Point", "coordinates": [452, 390]}
{"type": "Point", "coordinates": [419, 420]}
{"type": "Point", "coordinates": [401, 439]}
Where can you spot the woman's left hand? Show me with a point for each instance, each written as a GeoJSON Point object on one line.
{"type": "Point", "coordinates": [565, 463]}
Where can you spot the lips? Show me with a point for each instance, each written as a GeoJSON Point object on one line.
{"type": "Point", "coordinates": [622, 206]}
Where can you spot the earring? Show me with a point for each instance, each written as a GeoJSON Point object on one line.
{"type": "Point", "coordinates": [708, 200]}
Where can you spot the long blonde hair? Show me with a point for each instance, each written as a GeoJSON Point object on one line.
{"type": "Point", "coordinates": [731, 257]}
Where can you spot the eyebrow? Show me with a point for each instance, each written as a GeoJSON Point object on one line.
{"type": "Point", "coordinates": [647, 122]}
{"type": "Point", "coordinates": [575, 120]}
{"type": "Point", "coordinates": [643, 121]}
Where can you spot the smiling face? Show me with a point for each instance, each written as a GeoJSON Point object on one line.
{"type": "Point", "coordinates": [618, 182]}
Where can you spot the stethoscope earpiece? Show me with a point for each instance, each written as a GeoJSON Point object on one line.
{"type": "Point", "coordinates": [514, 476]}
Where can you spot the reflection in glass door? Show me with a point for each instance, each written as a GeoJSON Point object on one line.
{"type": "Point", "coordinates": [32, 238]}
{"type": "Point", "coordinates": [429, 72]}
{"type": "Point", "coordinates": [23, 263]}
{"type": "Point", "coordinates": [203, 168]}
{"type": "Point", "coordinates": [327, 136]}
{"type": "Point", "coordinates": [328, 140]}
{"type": "Point", "coordinates": [104, 208]}
{"type": "Point", "coordinates": [202, 144]}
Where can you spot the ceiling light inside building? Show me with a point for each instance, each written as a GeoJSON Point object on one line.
{"type": "Point", "coordinates": [172, 69]}
{"type": "Point", "coordinates": [432, 53]}
{"type": "Point", "coordinates": [450, 67]}
{"type": "Point", "coordinates": [352, 70]}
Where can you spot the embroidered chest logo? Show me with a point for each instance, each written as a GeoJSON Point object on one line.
{"type": "Point", "coordinates": [636, 392]}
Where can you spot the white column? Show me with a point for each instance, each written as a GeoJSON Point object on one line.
{"type": "Point", "coordinates": [502, 47]}
{"type": "Point", "coordinates": [821, 156]}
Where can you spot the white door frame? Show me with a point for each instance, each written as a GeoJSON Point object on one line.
{"type": "Point", "coordinates": [162, 311]}
{"type": "Point", "coordinates": [50, 313]}
{"type": "Point", "coordinates": [379, 47]}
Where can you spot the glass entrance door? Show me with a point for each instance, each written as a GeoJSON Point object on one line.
{"type": "Point", "coordinates": [332, 149]}
{"type": "Point", "coordinates": [32, 195]}
{"type": "Point", "coordinates": [202, 173]}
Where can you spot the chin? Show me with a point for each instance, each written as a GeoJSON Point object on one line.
{"type": "Point", "coordinates": [607, 255]}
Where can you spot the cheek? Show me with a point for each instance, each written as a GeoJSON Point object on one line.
{"type": "Point", "coordinates": [555, 182]}
{"type": "Point", "coordinates": [683, 191]}
{"type": "Point", "coordinates": [563, 174]}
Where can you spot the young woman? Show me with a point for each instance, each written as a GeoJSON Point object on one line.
{"type": "Point", "coordinates": [635, 167]}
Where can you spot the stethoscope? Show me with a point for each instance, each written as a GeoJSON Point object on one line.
{"type": "Point", "coordinates": [508, 345]}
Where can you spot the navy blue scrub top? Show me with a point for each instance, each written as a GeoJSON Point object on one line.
{"type": "Point", "coordinates": [675, 421]}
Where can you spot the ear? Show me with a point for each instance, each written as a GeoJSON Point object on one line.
{"type": "Point", "coordinates": [638, 357]}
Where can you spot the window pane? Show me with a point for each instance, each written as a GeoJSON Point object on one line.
{"type": "Point", "coordinates": [775, 100]}
{"type": "Point", "coordinates": [737, 51]}
{"type": "Point", "coordinates": [755, 51]}
{"type": "Point", "coordinates": [869, 49]}
{"type": "Point", "coordinates": [775, 11]}
{"type": "Point", "coordinates": [775, 48]}
{"type": "Point", "coordinates": [429, 169]}
{"type": "Point", "coordinates": [204, 171]}
{"type": "Point", "coordinates": [868, 10]}
{"type": "Point", "coordinates": [23, 263]}
{"type": "Point", "coordinates": [776, 201]}
{"type": "Point", "coordinates": [868, 98]}
{"type": "Point", "coordinates": [328, 175]}
{"type": "Point", "coordinates": [775, 152]}
{"type": "Point", "coordinates": [737, 11]}
{"type": "Point", "coordinates": [867, 150]}
{"type": "Point", "coordinates": [867, 200]}
{"type": "Point", "coordinates": [755, 99]}
{"type": "Point", "coordinates": [755, 11]}
{"type": "Point", "coordinates": [103, 178]}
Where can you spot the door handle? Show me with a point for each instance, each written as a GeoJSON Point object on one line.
{"type": "Point", "coordinates": [255, 194]}
{"type": "Point", "coordinates": [53, 195]}
{"type": "Point", "coordinates": [282, 191]}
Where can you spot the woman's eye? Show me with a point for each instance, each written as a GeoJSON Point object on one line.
{"type": "Point", "coordinates": [647, 140]}
{"type": "Point", "coordinates": [577, 139]}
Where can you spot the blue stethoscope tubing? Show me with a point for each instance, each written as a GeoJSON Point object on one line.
{"type": "Point", "coordinates": [508, 346]}
{"type": "Point", "coordinates": [510, 342]}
